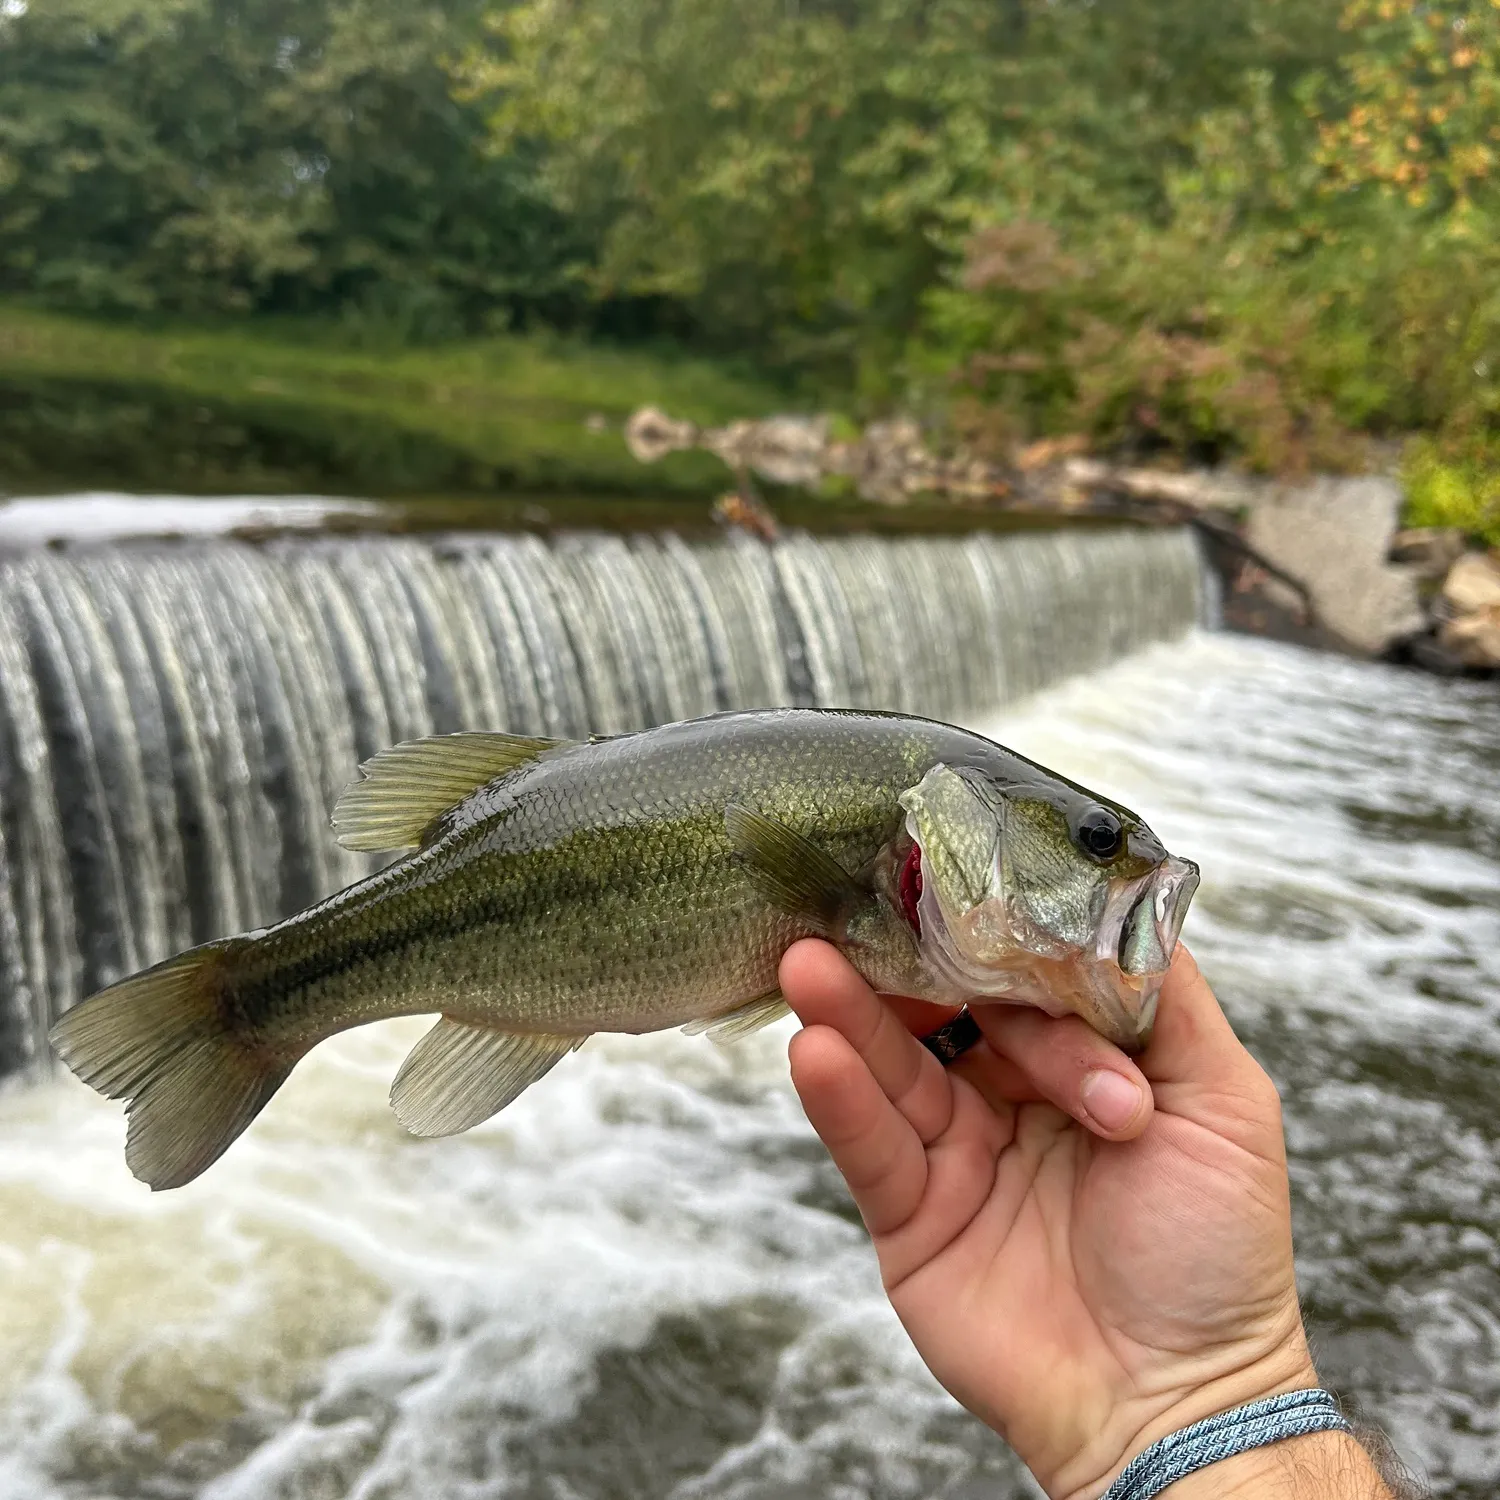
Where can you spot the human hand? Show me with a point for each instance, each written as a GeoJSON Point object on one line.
{"type": "Point", "coordinates": [1084, 1282]}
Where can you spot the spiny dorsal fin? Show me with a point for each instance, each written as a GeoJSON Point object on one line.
{"type": "Point", "coordinates": [791, 871]}
{"type": "Point", "coordinates": [459, 1075]}
{"type": "Point", "coordinates": [404, 791]}
{"type": "Point", "coordinates": [742, 1021]}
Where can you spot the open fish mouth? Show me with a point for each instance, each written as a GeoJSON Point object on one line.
{"type": "Point", "coordinates": [1142, 923]}
{"type": "Point", "coordinates": [993, 952]}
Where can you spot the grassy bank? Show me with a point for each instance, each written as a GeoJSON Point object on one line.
{"type": "Point", "coordinates": [289, 408]}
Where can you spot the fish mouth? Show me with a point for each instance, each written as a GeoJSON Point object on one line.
{"type": "Point", "coordinates": [1146, 933]}
{"type": "Point", "coordinates": [1134, 946]}
{"type": "Point", "coordinates": [1133, 951]}
{"type": "Point", "coordinates": [1114, 985]}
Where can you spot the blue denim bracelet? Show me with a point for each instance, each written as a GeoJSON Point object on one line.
{"type": "Point", "coordinates": [1182, 1453]}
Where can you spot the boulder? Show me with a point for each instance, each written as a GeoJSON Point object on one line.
{"type": "Point", "coordinates": [1334, 534]}
{"type": "Point", "coordinates": [1429, 551]}
{"type": "Point", "coordinates": [651, 434]}
{"type": "Point", "coordinates": [1472, 584]}
{"type": "Point", "coordinates": [1470, 633]}
{"type": "Point", "coordinates": [1474, 641]}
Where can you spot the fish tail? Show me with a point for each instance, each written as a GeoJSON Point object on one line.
{"type": "Point", "coordinates": [165, 1041]}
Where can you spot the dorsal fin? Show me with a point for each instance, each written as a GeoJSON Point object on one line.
{"type": "Point", "coordinates": [404, 791]}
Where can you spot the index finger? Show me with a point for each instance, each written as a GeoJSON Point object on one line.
{"type": "Point", "coordinates": [824, 989]}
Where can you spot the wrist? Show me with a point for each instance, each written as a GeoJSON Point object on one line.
{"type": "Point", "coordinates": [1317, 1466]}
{"type": "Point", "coordinates": [1138, 1423]}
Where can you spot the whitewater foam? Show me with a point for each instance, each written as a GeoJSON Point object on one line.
{"type": "Point", "coordinates": [644, 1279]}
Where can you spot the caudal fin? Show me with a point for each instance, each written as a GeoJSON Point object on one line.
{"type": "Point", "coordinates": [160, 1041]}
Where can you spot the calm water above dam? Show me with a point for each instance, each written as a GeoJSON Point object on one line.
{"type": "Point", "coordinates": [644, 1279]}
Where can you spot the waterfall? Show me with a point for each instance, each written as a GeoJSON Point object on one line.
{"type": "Point", "coordinates": [176, 720]}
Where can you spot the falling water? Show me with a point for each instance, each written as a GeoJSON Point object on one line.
{"type": "Point", "coordinates": [177, 720]}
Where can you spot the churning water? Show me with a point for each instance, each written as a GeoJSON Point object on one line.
{"type": "Point", "coordinates": [644, 1280]}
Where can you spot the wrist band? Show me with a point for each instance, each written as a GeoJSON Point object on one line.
{"type": "Point", "coordinates": [1192, 1448]}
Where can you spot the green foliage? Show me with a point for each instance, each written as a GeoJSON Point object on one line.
{"type": "Point", "coordinates": [1260, 231]}
{"type": "Point", "coordinates": [1462, 492]}
{"type": "Point", "coordinates": [232, 409]}
{"type": "Point", "coordinates": [1420, 113]}
{"type": "Point", "coordinates": [214, 156]}
{"type": "Point", "coordinates": [790, 177]}
{"type": "Point", "coordinates": [798, 177]}
{"type": "Point", "coordinates": [1175, 228]}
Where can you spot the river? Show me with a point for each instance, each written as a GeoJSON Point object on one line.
{"type": "Point", "coordinates": [644, 1279]}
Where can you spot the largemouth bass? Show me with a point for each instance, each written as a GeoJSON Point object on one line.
{"type": "Point", "coordinates": [638, 882]}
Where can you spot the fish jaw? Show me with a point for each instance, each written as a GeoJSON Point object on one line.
{"type": "Point", "coordinates": [994, 952]}
{"type": "Point", "coordinates": [1142, 932]}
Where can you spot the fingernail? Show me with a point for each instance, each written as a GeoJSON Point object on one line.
{"type": "Point", "coordinates": [1111, 1100]}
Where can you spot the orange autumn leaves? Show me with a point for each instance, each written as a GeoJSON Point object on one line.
{"type": "Point", "coordinates": [1423, 105]}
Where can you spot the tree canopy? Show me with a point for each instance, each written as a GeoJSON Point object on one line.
{"type": "Point", "coordinates": [1255, 230]}
{"type": "Point", "coordinates": [268, 155]}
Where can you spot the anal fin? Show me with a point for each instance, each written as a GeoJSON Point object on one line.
{"type": "Point", "coordinates": [459, 1075]}
{"type": "Point", "coordinates": [742, 1021]}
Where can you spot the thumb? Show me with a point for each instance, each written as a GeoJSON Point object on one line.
{"type": "Point", "coordinates": [1196, 1065]}
{"type": "Point", "coordinates": [1192, 1041]}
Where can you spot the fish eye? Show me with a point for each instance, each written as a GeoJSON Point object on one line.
{"type": "Point", "coordinates": [1099, 833]}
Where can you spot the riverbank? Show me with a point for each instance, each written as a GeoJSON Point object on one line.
{"type": "Point", "coordinates": [297, 409]}
{"type": "Point", "coordinates": [540, 432]}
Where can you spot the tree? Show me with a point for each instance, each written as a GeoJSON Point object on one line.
{"type": "Point", "coordinates": [793, 175]}
{"type": "Point", "coordinates": [284, 155]}
{"type": "Point", "coordinates": [799, 176]}
{"type": "Point", "coordinates": [1421, 105]}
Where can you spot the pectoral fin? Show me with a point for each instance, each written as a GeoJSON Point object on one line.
{"type": "Point", "coordinates": [403, 793]}
{"type": "Point", "coordinates": [743, 1021]}
{"type": "Point", "coordinates": [459, 1075]}
{"type": "Point", "coordinates": [791, 871]}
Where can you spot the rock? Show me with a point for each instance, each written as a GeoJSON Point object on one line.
{"type": "Point", "coordinates": [1333, 535]}
{"type": "Point", "coordinates": [1047, 451]}
{"type": "Point", "coordinates": [785, 449]}
{"type": "Point", "coordinates": [1472, 584]}
{"type": "Point", "coordinates": [651, 434]}
{"type": "Point", "coordinates": [1426, 652]}
{"type": "Point", "coordinates": [1429, 551]}
{"type": "Point", "coordinates": [1470, 604]}
{"type": "Point", "coordinates": [1473, 641]}
{"type": "Point", "coordinates": [890, 464]}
